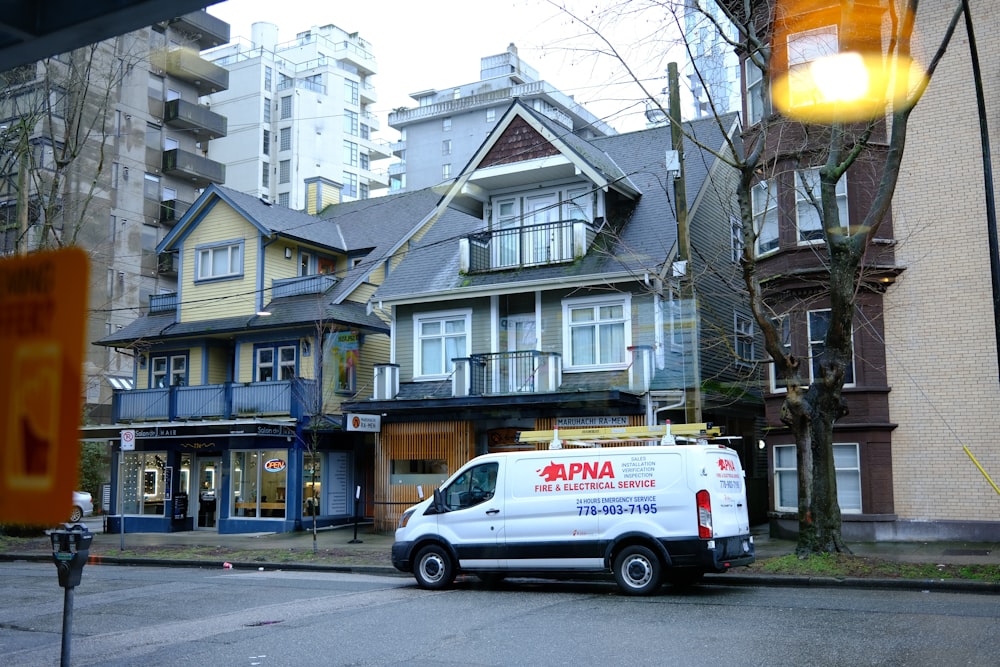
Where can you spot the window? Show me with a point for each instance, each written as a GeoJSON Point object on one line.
{"type": "Point", "coordinates": [350, 123]}
{"type": "Point", "coordinates": [148, 262]}
{"type": "Point", "coordinates": [168, 371]}
{"type": "Point", "coordinates": [430, 472]}
{"type": "Point", "coordinates": [764, 196]}
{"type": "Point", "coordinates": [285, 138]}
{"type": "Point", "coordinates": [743, 338]}
{"type": "Point", "coordinates": [267, 109]}
{"type": "Point", "coordinates": [285, 171]}
{"type": "Point", "coordinates": [265, 175]}
{"type": "Point", "coordinates": [804, 48]}
{"type": "Point", "coordinates": [807, 215]}
{"type": "Point", "coordinates": [350, 153]}
{"type": "Point", "coordinates": [819, 324]}
{"type": "Point", "coordinates": [267, 78]}
{"type": "Point", "coordinates": [274, 363]}
{"type": "Point", "coordinates": [143, 482]}
{"type": "Point", "coordinates": [847, 463]}
{"type": "Point", "coordinates": [735, 239]}
{"type": "Point", "coordinates": [259, 481]}
{"type": "Point", "coordinates": [284, 199]}
{"type": "Point", "coordinates": [286, 107]}
{"type": "Point", "coordinates": [219, 261]}
{"type": "Point", "coordinates": [474, 486]}
{"type": "Point", "coordinates": [439, 338]}
{"type": "Point", "coordinates": [755, 92]}
{"type": "Point", "coordinates": [307, 264]}
{"type": "Point", "coordinates": [596, 332]}
{"type": "Point", "coordinates": [350, 91]}
{"type": "Point", "coordinates": [363, 191]}
{"type": "Point", "coordinates": [365, 161]}
{"type": "Point", "coordinates": [446, 147]}
{"type": "Point", "coordinates": [491, 115]}
{"type": "Point", "coordinates": [266, 146]}
{"type": "Point", "coordinates": [446, 124]}
{"type": "Point", "coordinates": [151, 187]}
{"type": "Point", "coordinates": [350, 187]}
{"type": "Point", "coordinates": [783, 325]}
{"type": "Point", "coordinates": [446, 171]}
{"type": "Point", "coordinates": [365, 131]}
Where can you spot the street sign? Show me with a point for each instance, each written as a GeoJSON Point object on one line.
{"type": "Point", "coordinates": [128, 439]}
{"type": "Point", "coordinates": [43, 303]}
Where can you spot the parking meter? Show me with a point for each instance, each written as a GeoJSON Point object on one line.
{"type": "Point", "coordinates": [70, 550]}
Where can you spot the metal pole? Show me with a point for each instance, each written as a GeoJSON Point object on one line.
{"type": "Point", "coordinates": [67, 626]}
{"type": "Point", "coordinates": [121, 498]}
{"type": "Point", "coordinates": [984, 140]}
{"type": "Point", "coordinates": [357, 499]}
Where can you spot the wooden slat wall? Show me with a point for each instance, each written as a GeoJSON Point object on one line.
{"type": "Point", "coordinates": [452, 441]}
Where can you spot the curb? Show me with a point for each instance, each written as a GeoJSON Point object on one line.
{"type": "Point", "coordinates": [726, 579]}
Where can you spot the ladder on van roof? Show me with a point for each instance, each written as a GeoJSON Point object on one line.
{"type": "Point", "coordinates": [662, 434]}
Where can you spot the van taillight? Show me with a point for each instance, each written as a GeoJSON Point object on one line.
{"type": "Point", "coordinates": [704, 502]}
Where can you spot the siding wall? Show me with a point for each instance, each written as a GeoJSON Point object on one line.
{"type": "Point", "coordinates": [938, 318]}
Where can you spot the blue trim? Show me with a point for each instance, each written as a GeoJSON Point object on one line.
{"type": "Point", "coordinates": [194, 215]}
{"type": "Point", "coordinates": [261, 248]}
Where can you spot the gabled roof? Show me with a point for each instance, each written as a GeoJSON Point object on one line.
{"type": "Point", "coordinates": [643, 242]}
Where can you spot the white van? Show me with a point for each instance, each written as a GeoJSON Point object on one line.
{"type": "Point", "coordinates": [648, 514]}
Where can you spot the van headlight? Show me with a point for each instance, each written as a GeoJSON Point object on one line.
{"type": "Point", "coordinates": [405, 518]}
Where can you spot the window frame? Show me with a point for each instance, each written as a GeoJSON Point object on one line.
{"type": "Point", "coordinates": [170, 368]}
{"type": "Point", "coordinates": [785, 472]}
{"type": "Point", "coordinates": [276, 364]}
{"type": "Point", "coordinates": [766, 216]}
{"type": "Point", "coordinates": [286, 107]}
{"type": "Point", "coordinates": [783, 323]}
{"type": "Point", "coordinates": [816, 234]}
{"type": "Point", "coordinates": [743, 338]}
{"type": "Point", "coordinates": [442, 317]}
{"type": "Point", "coordinates": [851, 372]}
{"type": "Point", "coordinates": [285, 139]}
{"type": "Point", "coordinates": [211, 249]}
{"type": "Point", "coordinates": [595, 303]}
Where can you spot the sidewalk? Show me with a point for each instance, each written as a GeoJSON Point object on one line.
{"type": "Point", "coordinates": [370, 553]}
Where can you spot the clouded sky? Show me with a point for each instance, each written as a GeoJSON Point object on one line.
{"type": "Point", "coordinates": [437, 44]}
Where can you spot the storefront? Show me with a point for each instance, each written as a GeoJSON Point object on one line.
{"type": "Point", "coordinates": [232, 478]}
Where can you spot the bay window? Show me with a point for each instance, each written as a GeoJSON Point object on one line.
{"type": "Point", "coordinates": [807, 201]}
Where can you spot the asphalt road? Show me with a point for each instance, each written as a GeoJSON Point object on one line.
{"type": "Point", "coordinates": [174, 616]}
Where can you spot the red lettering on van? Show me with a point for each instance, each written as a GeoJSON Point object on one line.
{"type": "Point", "coordinates": [555, 472]}
{"type": "Point", "coordinates": [727, 465]}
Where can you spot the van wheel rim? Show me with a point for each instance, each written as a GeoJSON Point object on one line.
{"type": "Point", "coordinates": [432, 567]}
{"type": "Point", "coordinates": [638, 571]}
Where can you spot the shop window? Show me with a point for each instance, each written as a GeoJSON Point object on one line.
{"type": "Point", "coordinates": [432, 472]}
{"type": "Point", "coordinates": [143, 483]}
{"type": "Point", "coordinates": [259, 481]}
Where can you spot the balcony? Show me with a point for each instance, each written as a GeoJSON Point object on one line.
{"type": "Point", "coordinates": [528, 245]}
{"type": "Point", "coordinates": [203, 123]}
{"type": "Point", "coordinates": [317, 284]}
{"type": "Point", "coordinates": [378, 149]}
{"type": "Point", "coordinates": [199, 170]}
{"type": "Point", "coordinates": [288, 398]}
{"type": "Point", "coordinates": [498, 373]}
{"type": "Point", "coordinates": [172, 210]}
{"type": "Point", "coordinates": [377, 180]}
{"type": "Point", "coordinates": [207, 30]}
{"type": "Point", "coordinates": [166, 264]}
{"type": "Point", "coordinates": [163, 303]}
{"type": "Point", "coordinates": [368, 93]}
{"type": "Point", "coordinates": [187, 65]}
{"type": "Point", "coordinates": [349, 51]}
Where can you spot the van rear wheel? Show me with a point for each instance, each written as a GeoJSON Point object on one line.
{"type": "Point", "coordinates": [434, 569]}
{"type": "Point", "coordinates": [637, 571]}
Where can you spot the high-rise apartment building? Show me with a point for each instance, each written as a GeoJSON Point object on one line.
{"type": "Point", "coordinates": [713, 71]}
{"type": "Point", "coordinates": [438, 136]}
{"type": "Point", "coordinates": [300, 119]}
{"type": "Point", "coordinates": [102, 148]}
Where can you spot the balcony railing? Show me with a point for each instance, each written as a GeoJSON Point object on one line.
{"type": "Point", "coordinates": [529, 245]}
{"type": "Point", "coordinates": [286, 398]}
{"type": "Point", "coordinates": [207, 29]}
{"type": "Point", "coordinates": [162, 303]}
{"type": "Point", "coordinates": [317, 284]}
{"type": "Point", "coordinates": [203, 123]}
{"type": "Point", "coordinates": [188, 65]}
{"type": "Point", "coordinates": [523, 372]}
{"type": "Point", "coordinates": [171, 210]}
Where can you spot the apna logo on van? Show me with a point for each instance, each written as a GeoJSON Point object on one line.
{"type": "Point", "coordinates": [274, 465]}
{"type": "Point", "coordinates": [555, 472]}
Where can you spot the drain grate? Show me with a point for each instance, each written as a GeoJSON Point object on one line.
{"type": "Point", "coordinates": [966, 552]}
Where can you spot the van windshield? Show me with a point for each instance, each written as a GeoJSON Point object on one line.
{"type": "Point", "coordinates": [475, 485]}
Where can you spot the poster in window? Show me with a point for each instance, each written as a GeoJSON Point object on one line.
{"type": "Point", "coordinates": [341, 353]}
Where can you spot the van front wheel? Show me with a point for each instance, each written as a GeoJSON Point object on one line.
{"type": "Point", "coordinates": [637, 571]}
{"type": "Point", "coordinates": [434, 569]}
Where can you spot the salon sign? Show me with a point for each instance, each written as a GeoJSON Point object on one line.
{"type": "Point", "coordinates": [274, 465]}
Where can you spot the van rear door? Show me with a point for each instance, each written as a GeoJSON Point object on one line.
{"type": "Point", "coordinates": [723, 479]}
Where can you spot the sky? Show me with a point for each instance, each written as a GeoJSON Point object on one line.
{"type": "Point", "coordinates": [436, 44]}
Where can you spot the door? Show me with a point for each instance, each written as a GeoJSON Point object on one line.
{"type": "Point", "coordinates": [519, 372]}
{"type": "Point", "coordinates": [473, 521]}
{"type": "Point", "coordinates": [206, 496]}
{"type": "Point", "coordinates": [537, 242]}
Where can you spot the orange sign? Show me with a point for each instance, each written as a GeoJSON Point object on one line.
{"type": "Point", "coordinates": [43, 304]}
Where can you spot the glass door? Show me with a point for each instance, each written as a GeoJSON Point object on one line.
{"type": "Point", "coordinates": [520, 372]}
{"type": "Point", "coordinates": [207, 494]}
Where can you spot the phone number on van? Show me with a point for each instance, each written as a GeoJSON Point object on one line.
{"type": "Point", "coordinates": [613, 510]}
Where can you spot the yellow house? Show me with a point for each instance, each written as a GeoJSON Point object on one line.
{"type": "Point", "coordinates": [235, 421]}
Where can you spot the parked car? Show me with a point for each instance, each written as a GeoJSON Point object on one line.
{"type": "Point", "coordinates": [83, 505]}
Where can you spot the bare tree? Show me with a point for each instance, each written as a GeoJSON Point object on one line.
{"type": "Point", "coordinates": [844, 265]}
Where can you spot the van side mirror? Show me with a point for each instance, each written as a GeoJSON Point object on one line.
{"type": "Point", "coordinates": [439, 506]}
